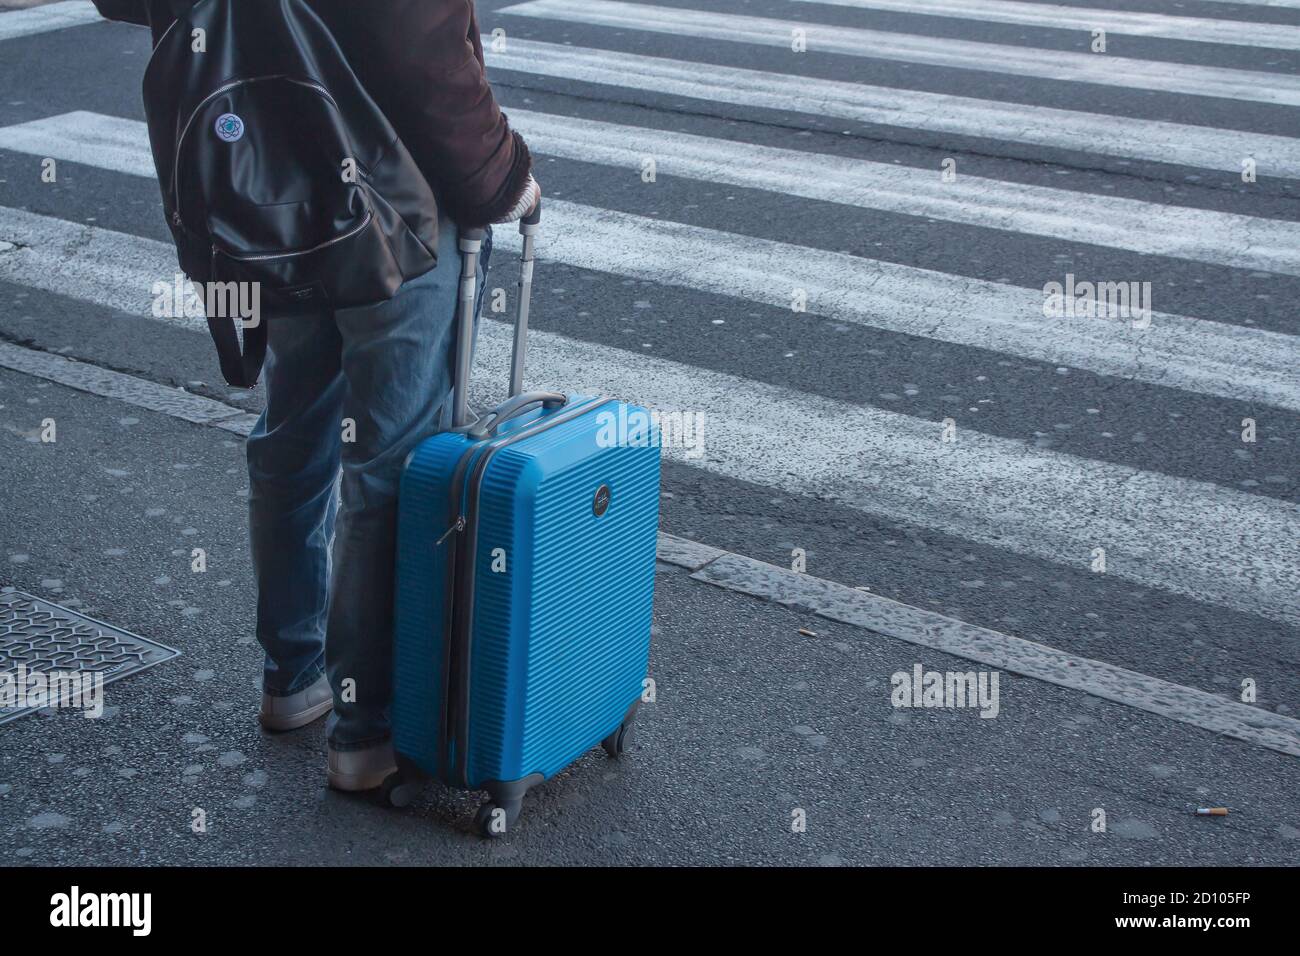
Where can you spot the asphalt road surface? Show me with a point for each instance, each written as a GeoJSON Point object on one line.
{"type": "Point", "coordinates": [839, 256]}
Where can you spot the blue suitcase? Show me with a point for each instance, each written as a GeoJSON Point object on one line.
{"type": "Point", "coordinates": [525, 581]}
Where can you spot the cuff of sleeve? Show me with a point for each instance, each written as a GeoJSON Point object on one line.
{"type": "Point", "coordinates": [507, 197]}
{"type": "Point", "coordinates": [526, 202]}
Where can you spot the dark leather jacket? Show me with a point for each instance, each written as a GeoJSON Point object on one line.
{"type": "Point", "coordinates": [422, 62]}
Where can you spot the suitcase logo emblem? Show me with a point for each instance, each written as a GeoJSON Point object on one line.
{"type": "Point", "coordinates": [600, 503]}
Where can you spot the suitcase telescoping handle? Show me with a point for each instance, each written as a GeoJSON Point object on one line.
{"type": "Point", "coordinates": [471, 244]}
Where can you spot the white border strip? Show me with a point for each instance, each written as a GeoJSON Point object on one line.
{"type": "Point", "coordinates": [923, 628]}
{"type": "Point", "coordinates": [140, 392]}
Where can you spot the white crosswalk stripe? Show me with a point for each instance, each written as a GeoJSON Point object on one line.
{"type": "Point", "coordinates": [1060, 17]}
{"type": "Point", "coordinates": [1175, 351]}
{"type": "Point", "coordinates": [94, 139]}
{"type": "Point", "coordinates": [1119, 136]}
{"type": "Point", "coordinates": [1188, 537]}
{"type": "Point", "coordinates": [1227, 239]}
{"type": "Point", "coordinates": [1206, 236]}
{"type": "Point", "coordinates": [44, 19]}
{"type": "Point", "coordinates": [1107, 69]}
{"type": "Point", "coordinates": [1285, 4]}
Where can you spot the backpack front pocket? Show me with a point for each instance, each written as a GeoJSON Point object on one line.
{"type": "Point", "coordinates": [264, 169]}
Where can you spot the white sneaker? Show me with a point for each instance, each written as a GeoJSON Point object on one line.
{"type": "Point", "coordinates": [296, 710]}
{"type": "Point", "coordinates": [367, 769]}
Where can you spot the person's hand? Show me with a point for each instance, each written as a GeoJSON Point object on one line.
{"type": "Point", "coordinates": [528, 201]}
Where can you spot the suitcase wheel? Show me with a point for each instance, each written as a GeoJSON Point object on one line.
{"type": "Point", "coordinates": [620, 741]}
{"type": "Point", "coordinates": [398, 791]}
{"type": "Point", "coordinates": [495, 820]}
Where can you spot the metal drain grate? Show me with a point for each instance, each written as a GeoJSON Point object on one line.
{"type": "Point", "coordinates": [44, 637]}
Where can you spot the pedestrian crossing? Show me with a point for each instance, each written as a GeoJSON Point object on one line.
{"type": "Point", "coordinates": [1200, 235]}
{"type": "Point", "coordinates": [1198, 355]}
{"type": "Point", "coordinates": [1195, 538]}
{"type": "Point", "coordinates": [1198, 540]}
{"type": "Point", "coordinates": [1107, 69]}
{"type": "Point", "coordinates": [1076, 131]}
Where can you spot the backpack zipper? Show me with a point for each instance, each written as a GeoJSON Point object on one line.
{"type": "Point", "coordinates": [263, 256]}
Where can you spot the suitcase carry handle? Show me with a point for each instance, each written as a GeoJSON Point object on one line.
{"type": "Point", "coordinates": [489, 423]}
{"type": "Point", "coordinates": [471, 244]}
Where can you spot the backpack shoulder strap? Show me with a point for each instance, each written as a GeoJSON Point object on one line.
{"type": "Point", "coordinates": [239, 368]}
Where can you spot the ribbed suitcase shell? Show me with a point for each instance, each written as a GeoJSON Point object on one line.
{"type": "Point", "coordinates": [560, 642]}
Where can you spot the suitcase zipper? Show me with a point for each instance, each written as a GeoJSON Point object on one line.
{"type": "Point", "coordinates": [458, 526]}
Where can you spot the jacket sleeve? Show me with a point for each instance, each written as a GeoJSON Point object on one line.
{"type": "Point", "coordinates": [422, 61]}
{"type": "Point", "coordinates": [127, 11]}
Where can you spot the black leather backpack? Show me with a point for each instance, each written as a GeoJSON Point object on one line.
{"type": "Point", "coordinates": [277, 168]}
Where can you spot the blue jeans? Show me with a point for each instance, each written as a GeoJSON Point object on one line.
{"type": "Point", "coordinates": [356, 390]}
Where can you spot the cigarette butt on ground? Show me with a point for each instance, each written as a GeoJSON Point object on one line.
{"type": "Point", "coordinates": [807, 633]}
{"type": "Point", "coordinates": [1211, 811]}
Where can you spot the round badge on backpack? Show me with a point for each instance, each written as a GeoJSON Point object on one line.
{"type": "Point", "coordinates": [230, 128]}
